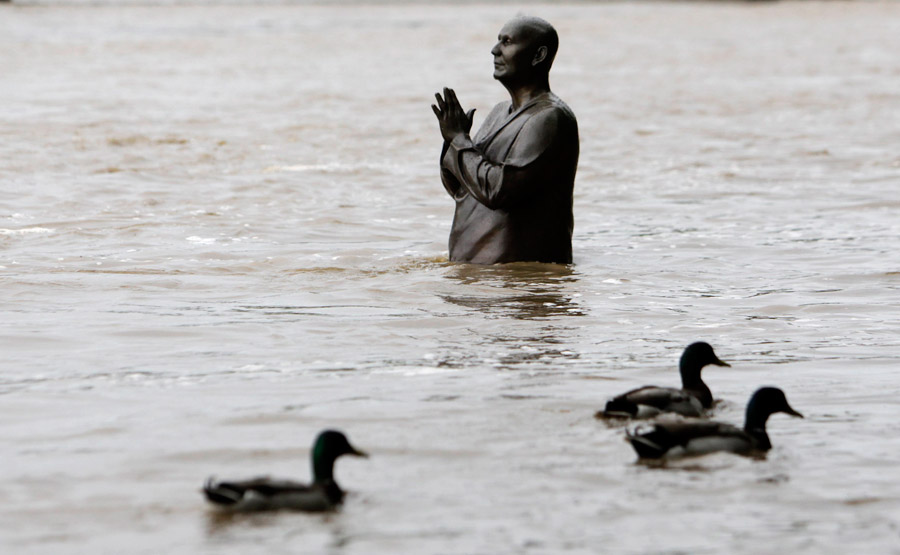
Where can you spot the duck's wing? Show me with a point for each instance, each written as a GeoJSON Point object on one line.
{"type": "Point", "coordinates": [651, 400]}
{"type": "Point", "coordinates": [689, 430]}
{"type": "Point", "coordinates": [265, 493]}
{"type": "Point", "coordinates": [694, 437]}
{"type": "Point", "coordinates": [270, 487]}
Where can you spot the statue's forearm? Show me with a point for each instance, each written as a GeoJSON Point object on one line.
{"type": "Point", "coordinates": [495, 185]}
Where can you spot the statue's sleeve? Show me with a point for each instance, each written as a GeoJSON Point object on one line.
{"type": "Point", "coordinates": [451, 184]}
{"type": "Point", "coordinates": [529, 163]}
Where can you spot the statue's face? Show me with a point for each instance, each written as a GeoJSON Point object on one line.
{"type": "Point", "coordinates": [513, 52]}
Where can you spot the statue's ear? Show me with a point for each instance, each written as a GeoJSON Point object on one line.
{"type": "Point", "coordinates": [539, 56]}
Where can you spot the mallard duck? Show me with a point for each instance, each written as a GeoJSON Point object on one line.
{"type": "Point", "coordinates": [698, 437]}
{"type": "Point", "coordinates": [651, 400]}
{"type": "Point", "coordinates": [260, 494]}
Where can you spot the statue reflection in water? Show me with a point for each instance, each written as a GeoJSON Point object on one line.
{"type": "Point", "coordinates": [522, 294]}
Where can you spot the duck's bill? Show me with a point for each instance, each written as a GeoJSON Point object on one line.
{"type": "Point", "coordinates": [357, 453]}
{"type": "Point", "coordinates": [792, 412]}
{"type": "Point", "coordinates": [719, 362]}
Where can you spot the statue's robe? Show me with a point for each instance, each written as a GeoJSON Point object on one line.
{"type": "Point", "coordinates": [513, 185]}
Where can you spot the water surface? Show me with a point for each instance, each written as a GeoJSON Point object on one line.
{"type": "Point", "coordinates": [222, 230]}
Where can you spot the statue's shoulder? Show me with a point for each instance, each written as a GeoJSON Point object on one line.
{"type": "Point", "coordinates": [551, 115]}
{"type": "Point", "coordinates": [554, 104]}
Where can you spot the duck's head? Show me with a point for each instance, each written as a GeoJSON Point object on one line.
{"type": "Point", "coordinates": [329, 445]}
{"type": "Point", "coordinates": [694, 358]}
{"type": "Point", "coordinates": [700, 354]}
{"type": "Point", "coordinates": [773, 400]}
{"type": "Point", "coordinates": [764, 403]}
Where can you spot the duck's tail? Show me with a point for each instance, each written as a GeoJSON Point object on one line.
{"type": "Point", "coordinates": [618, 408]}
{"type": "Point", "coordinates": [649, 445]}
{"type": "Point", "coordinates": [221, 493]}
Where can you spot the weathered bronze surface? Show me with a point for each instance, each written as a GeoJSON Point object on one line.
{"type": "Point", "coordinates": [513, 181]}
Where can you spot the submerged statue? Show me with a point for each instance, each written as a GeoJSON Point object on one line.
{"type": "Point", "coordinates": [513, 182]}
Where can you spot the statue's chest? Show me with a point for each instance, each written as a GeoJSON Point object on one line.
{"type": "Point", "coordinates": [497, 139]}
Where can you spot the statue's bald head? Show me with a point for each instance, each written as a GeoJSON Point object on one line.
{"type": "Point", "coordinates": [524, 52]}
{"type": "Point", "coordinates": [539, 33]}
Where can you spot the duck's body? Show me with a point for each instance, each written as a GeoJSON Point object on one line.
{"type": "Point", "coordinates": [264, 493]}
{"type": "Point", "coordinates": [692, 399]}
{"type": "Point", "coordinates": [697, 437]}
{"type": "Point", "coordinates": [651, 401]}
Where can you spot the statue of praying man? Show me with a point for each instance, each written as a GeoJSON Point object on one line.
{"type": "Point", "coordinates": [513, 181]}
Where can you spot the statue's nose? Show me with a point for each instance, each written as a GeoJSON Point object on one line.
{"type": "Point", "coordinates": [496, 49]}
